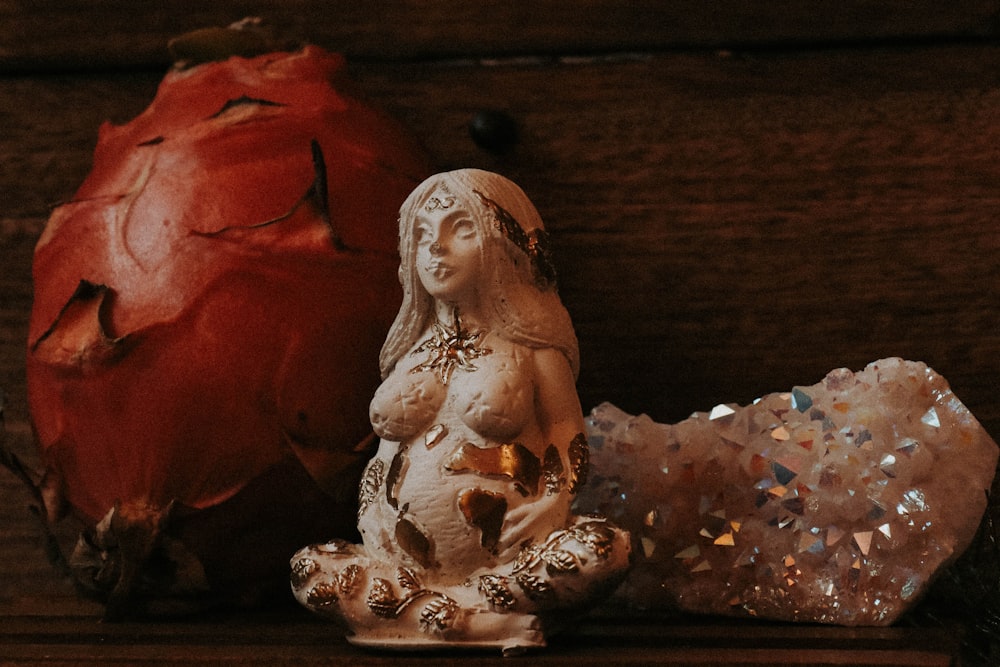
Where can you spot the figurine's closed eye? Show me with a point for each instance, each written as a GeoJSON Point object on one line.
{"type": "Point", "coordinates": [464, 229]}
{"type": "Point", "coordinates": [422, 235]}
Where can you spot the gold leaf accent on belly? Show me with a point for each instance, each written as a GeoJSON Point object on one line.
{"type": "Point", "coordinates": [394, 476]}
{"type": "Point", "coordinates": [552, 470]}
{"type": "Point", "coordinates": [414, 542]}
{"type": "Point", "coordinates": [434, 435]}
{"type": "Point", "coordinates": [512, 460]}
{"type": "Point", "coordinates": [484, 510]}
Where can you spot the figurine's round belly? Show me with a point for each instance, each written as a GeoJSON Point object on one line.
{"type": "Point", "coordinates": [469, 454]}
{"type": "Point", "coordinates": [454, 497]}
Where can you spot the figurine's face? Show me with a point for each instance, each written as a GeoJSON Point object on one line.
{"type": "Point", "coordinates": [448, 249]}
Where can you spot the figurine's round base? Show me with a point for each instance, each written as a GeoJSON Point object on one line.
{"type": "Point", "coordinates": [404, 644]}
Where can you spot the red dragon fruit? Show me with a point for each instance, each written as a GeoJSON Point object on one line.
{"type": "Point", "coordinates": [207, 317]}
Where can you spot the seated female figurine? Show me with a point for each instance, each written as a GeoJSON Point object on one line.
{"type": "Point", "coordinates": [468, 536]}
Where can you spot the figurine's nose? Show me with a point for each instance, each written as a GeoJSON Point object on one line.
{"type": "Point", "coordinates": [436, 248]}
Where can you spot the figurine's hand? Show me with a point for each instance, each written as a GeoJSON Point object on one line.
{"type": "Point", "coordinates": [535, 520]}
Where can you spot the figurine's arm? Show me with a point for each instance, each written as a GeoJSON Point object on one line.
{"type": "Point", "coordinates": [560, 416]}
{"type": "Point", "coordinates": [560, 420]}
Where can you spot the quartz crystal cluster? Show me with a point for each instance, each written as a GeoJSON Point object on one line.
{"type": "Point", "coordinates": [835, 503]}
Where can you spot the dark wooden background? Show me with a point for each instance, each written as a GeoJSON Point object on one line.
{"type": "Point", "coordinates": [743, 196]}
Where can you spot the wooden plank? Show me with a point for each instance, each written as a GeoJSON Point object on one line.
{"type": "Point", "coordinates": [292, 638]}
{"type": "Point", "coordinates": [50, 34]}
{"type": "Point", "coordinates": [725, 226]}
{"type": "Point", "coordinates": [732, 226]}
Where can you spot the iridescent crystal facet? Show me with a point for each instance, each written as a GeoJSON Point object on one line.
{"type": "Point", "coordinates": [835, 503]}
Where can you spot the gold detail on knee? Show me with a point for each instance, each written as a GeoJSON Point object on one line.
{"type": "Point", "coordinates": [497, 591]}
{"type": "Point", "coordinates": [322, 595]}
{"type": "Point", "coordinates": [302, 569]}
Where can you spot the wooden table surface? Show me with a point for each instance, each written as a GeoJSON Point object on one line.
{"type": "Point", "coordinates": [742, 197]}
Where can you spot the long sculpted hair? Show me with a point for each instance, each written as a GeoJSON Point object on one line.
{"type": "Point", "coordinates": [518, 292]}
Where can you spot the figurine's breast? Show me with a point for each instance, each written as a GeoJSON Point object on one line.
{"type": "Point", "coordinates": [496, 401]}
{"type": "Point", "coordinates": [406, 404]}
{"type": "Point", "coordinates": [492, 396]}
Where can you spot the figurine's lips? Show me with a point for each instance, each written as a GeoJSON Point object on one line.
{"type": "Point", "coordinates": [440, 270]}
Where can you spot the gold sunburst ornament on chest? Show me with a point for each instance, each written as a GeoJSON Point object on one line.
{"type": "Point", "coordinates": [451, 348]}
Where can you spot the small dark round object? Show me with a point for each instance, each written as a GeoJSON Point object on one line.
{"type": "Point", "coordinates": [493, 130]}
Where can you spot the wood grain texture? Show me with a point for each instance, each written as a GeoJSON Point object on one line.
{"type": "Point", "coordinates": [279, 639]}
{"type": "Point", "coordinates": [58, 34]}
{"type": "Point", "coordinates": [730, 226]}
{"type": "Point", "coordinates": [725, 224]}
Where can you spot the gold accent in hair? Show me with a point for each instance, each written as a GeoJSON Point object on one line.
{"type": "Point", "coordinates": [534, 244]}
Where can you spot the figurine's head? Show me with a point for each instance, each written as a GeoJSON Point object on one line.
{"type": "Point", "coordinates": [446, 243]}
{"type": "Point", "coordinates": [504, 236]}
